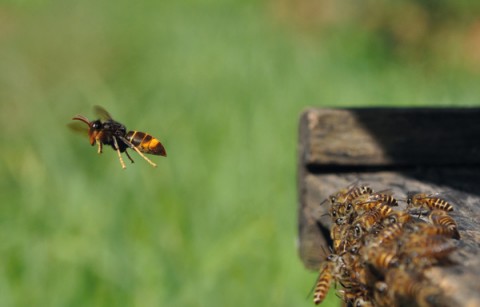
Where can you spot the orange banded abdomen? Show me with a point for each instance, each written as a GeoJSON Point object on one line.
{"type": "Point", "coordinates": [146, 143]}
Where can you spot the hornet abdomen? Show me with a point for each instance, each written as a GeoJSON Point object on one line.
{"type": "Point", "coordinates": [146, 143]}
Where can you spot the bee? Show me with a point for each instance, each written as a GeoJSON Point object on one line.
{"type": "Point", "coordinates": [381, 259]}
{"type": "Point", "coordinates": [356, 191]}
{"type": "Point", "coordinates": [355, 274]}
{"type": "Point", "coordinates": [441, 218]}
{"type": "Point", "coordinates": [389, 200]}
{"type": "Point", "coordinates": [381, 294]}
{"type": "Point", "coordinates": [349, 194]}
{"type": "Point", "coordinates": [433, 229]}
{"type": "Point", "coordinates": [384, 197]}
{"type": "Point", "coordinates": [328, 272]}
{"type": "Point", "coordinates": [362, 302]}
{"type": "Point", "coordinates": [351, 273]}
{"type": "Point", "coordinates": [107, 131]}
{"type": "Point", "coordinates": [346, 210]}
{"type": "Point", "coordinates": [333, 211]}
{"type": "Point", "coordinates": [397, 217]}
{"type": "Point", "coordinates": [367, 223]}
{"type": "Point", "coordinates": [423, 250]}
{"type": "Point", "coordinates": [346, 295]}
{"type": "Point", "coordinates": [408, 289]}
{"type": "Point", "coordinates": [383, 209]}
{"type": "Point", "coordinates": [349, 238]}
{"type": "Point", "coordinates": [336, 233]}
{"type": "Point", "coordinates": [341, 214]}
{"type": "Point", "coordinates": [323, 283]}
{"type": "Point", "coordinates": [357, 298]}
{"type": "Point", "coordinates": [426, 201]}
{"type": "Point", "coordinates": [339, 195]}
{"type": "Point", "coordinates": [387, 235]}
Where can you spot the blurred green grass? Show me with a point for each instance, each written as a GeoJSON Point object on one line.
{"type": "Point", "coordinates": [222, 85]}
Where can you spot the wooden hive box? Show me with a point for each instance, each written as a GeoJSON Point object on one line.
{"type": "Point", "coordinates": [414, 149]}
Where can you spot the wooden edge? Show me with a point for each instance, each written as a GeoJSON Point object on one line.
{"type": "Point", "coordinates": [390, 137]}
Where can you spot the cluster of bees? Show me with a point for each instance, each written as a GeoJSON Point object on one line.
{"type": "Point", "coordinates": [380, 251]}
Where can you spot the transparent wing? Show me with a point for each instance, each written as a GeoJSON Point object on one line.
{"type": "Point", "coordinates": [432, 195]}
{"type": "Point", "coordinates": [101, 112]}
{"type": "Point", "coordinates": [445, 195]}
{"type": "Point", "coordinates": [78, 127]}
{"type": "Point", "coordinates": [383, 192]}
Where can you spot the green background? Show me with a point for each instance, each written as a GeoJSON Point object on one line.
{"type": "Point", "coordinates": [222, 85]}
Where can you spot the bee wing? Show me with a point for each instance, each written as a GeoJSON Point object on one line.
{"type": "Point", "coordinates": [367, 201]}
{"type": "Point", "coordinates": [101, 112]}
{"type": "Point", "coordinates": [377, 195]}
{"type": "Point", "coordinates": [384, 192]}
{"type": "Point", "coordinates": [432, 195]}
{"type": "Point", "coordinates": [362, 199]}
{"type": "Point", "coordinates": [78, 127]}
{"type": "Point", "coordinates": [447, 196]}
{"type": "Point", "coordinates": [353, 184]}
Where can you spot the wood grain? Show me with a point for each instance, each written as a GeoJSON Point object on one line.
{"type": "Point", "coordinates": [390, 137]}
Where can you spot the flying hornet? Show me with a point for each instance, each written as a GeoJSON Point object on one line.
{"type": "Point", "coordinates": [107, 131]}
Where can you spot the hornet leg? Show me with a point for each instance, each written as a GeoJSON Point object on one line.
{"type": "Point", "coordinates": [119, 153]}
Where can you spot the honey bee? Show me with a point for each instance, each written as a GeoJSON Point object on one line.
{"type": "Point", "coordinates": [384, 197]}
{"type": "Point", "coordinates": [432, 229]}
{"type": "Point", "coordinates": [107, 131]}
{"type": "Point", "coordinates": [362, 302]}
{"type": "Point", "coordinates": [381, 258]}
{"type": "Point", "coordinates": [426, 201]}
{"type": "Point", "coordinates": [349, 194]}
{"type": "Point", "coordinates": [339, 245]}
{"type": "Point", "coordinates": [333, 211]}
{"type": "Point", "coordinates": [356, 275]}
{"type": "Point", "coordinates": [323, 283]}
{"type": "Point", "coordinates": [346, 210]}
{"type": "Point", "coordinates": [387, 235]}
{"type": "Point", "coordinates": [346, 295]}
{"type": "Point", "coordinates": [441, 218]}
{"type": "Point", "coordinates": [380, 294]}
{"type": "Point", "coordinates": [357, 191]}
{"type": "Point", "coordinates": [346, 239]}
{"type": "Point", "coordinates": [334, 198]}
{"type": "Point", "coordinates": [341, 202]}
{"type": "Point", "coordinates": [383, 209]}
{"type": "Point", "coordinates": [424, 249]}
{"type": "Point", "coordinates": [407, 289]}
{"type": "Point", "coordinates": [357, 298]}
{"type": "Point", "coordinates": [367, 222]}
{"type": "Point", "coordinates": [397, 217]}
{"type": "Point", "coordinates": [328, 271]}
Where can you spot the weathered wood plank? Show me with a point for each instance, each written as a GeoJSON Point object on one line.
{"type": "Point", "coordinates": [401, 150]}
{"type": "Point", "coordinates": [384, 137]}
